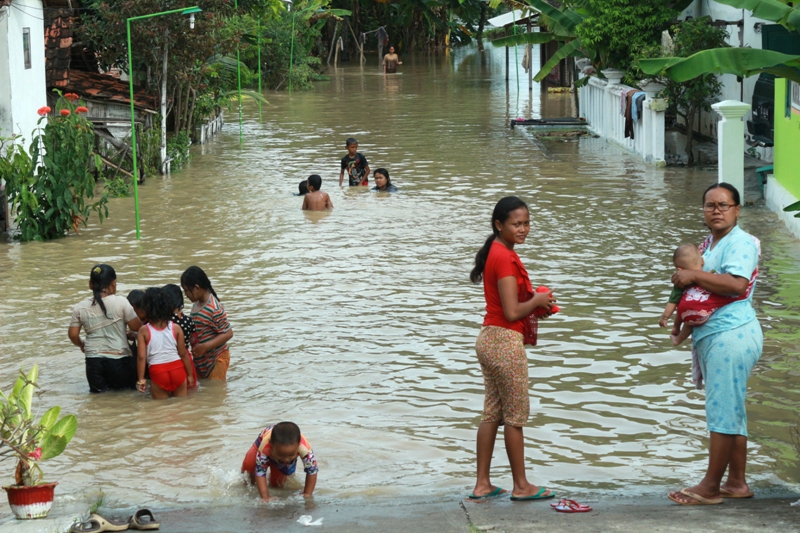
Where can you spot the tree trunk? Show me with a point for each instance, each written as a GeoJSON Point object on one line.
{"type": "Point", "coordinates": [165, 61]}
{"type": "Point", "coordinates": [481, 24]}
{"type": "Point", "coordinates": [690, 136]}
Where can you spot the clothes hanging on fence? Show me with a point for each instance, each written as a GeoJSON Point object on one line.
{"type": "Point", "coordinates": [628, 114]}
{"type": "Point", "coordinates": [383, 36]}
{"type": "Point", "coordinates": [362, 38]}
{"type": "Point", "coordinates": [637, 105]}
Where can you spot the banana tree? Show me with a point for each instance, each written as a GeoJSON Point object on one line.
{"type": "Point", "coordinates": [583, 30]}
{"type": "Point", "coordinates": [21, 435]}
{"type": "Point", "coordinates": [743, 62]}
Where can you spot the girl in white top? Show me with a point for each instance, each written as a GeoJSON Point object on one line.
{"type": "Point", "coordinates": [161, 347]}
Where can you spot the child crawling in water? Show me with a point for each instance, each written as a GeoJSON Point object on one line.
{"type": "Point", "coordinates": [694, 304]}
{"type": "Point", "coordinates": [277, 449]}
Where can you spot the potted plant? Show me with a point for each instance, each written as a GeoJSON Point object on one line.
{"type": "Point", "coordinates": [30, 442]}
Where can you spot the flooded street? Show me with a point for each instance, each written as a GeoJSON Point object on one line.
{"type": "Point", "coordinates": [359, 325]}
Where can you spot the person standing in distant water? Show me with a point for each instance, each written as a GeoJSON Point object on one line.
{"type": "Point", "coordinates": [382, 181]}
{"type": "Point", "coordinates": [109, 361]}
{"type": "Point", "coordinates": [501, 350]}
{"type": "Point", "coordinates": [355, 164]}
{"type": "Point", "coordinates": [390, 62]}
{"type": "Point", "coordinates": [211, 356]}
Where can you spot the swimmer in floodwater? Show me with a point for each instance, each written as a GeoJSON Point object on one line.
{"type": "Point", "coordinates": [277, 449]}
{"type": "Point", "coordinates": [316, 200]}
{"type": "Point", "coordinates": [382, 181]}
{"type": "Point", "coordinates": [302, 188]}
{"type": "Point", "coordinates": [162, 349]}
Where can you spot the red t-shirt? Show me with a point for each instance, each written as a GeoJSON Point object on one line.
{"type": "Point", "coordinates": [500, 264]}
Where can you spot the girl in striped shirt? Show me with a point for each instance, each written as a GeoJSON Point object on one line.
{"type": "Point", "coordinates": [211, 355]}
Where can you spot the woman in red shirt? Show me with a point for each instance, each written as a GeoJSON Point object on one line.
{"type": "Point", "coordinates": [501, 351]}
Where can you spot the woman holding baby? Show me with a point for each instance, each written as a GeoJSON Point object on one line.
{"type": "Point", "coordinates": [728, 345]}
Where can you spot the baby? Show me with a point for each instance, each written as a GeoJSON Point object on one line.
{"type": "Point", "coordinates": [277, 449]}
{"type": "Point", "coordinates": [694, 304]}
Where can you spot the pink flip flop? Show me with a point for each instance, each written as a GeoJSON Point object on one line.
{"type": "Point", "coordinates": [570, 506]}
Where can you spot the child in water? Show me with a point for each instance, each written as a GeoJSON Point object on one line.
{"type": "Point", "coordinates": [175, 297]}
{"type": "Point", "coordinates": [161, 347]}
{"type": "Point", "coordinates": [211, 355]}
{"type": "Point", "coordinates": [277, 449]}
{"type": "Point", "coordinates": [355, 164]}
{"type": "Point", "coordinates": [135, 298]}
{"type": "Point", "coordinates": [316, 200]}
{"type": "Point", "coordinates": [694, 304]}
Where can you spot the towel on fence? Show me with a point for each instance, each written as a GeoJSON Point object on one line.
{"type": "Point", "coordinates": [637, 105]}
{"type": "Point", "coordinates": [628, 114]}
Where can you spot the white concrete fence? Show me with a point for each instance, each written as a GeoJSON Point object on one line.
{"type": "Point", "coordinates": [600, 106]}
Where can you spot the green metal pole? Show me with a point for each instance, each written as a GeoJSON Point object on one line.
{"type": "Point", "coordinates": [239, 78]}
{"type": "Point", "coordinates": [291, 52]}
{"type": "Point", "coordinates": [259, 65]}
{"type": "Point", "coordinates": [183, 10]}
{"type": "Point", "coordinates": [516, 58]}
{"type": "Point", "coordinates": [133, 135]}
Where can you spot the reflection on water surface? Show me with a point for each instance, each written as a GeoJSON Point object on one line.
{"type": "Point", "coordinates": [359, 325]}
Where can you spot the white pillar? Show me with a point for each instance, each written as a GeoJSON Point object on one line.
{"type": "Point", "coordinates": [730, 139]}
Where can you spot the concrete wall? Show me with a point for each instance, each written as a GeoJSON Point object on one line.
{"type": "Point", "coordinates": [22, 91]}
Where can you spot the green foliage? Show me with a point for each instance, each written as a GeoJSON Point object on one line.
{"type": "Point", "coordinates": [25, 438]}
{"type": "Point", "coordinates": [690, 97]}
{"type": "Point", "coordinates": [50, 187]}
{"type": "Point", "coordinates": [619, 29]}
{"type": "Point", "coordinates": [178, 150]}
{"type": "Point", "coordinates": [743, 62]}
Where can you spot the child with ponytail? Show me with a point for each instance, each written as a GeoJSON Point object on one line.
{"type": "Point", "coordinates": [211, 355]}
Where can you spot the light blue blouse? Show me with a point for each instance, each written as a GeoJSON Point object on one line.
{"type": "Point", "coordinates": [736, 254]}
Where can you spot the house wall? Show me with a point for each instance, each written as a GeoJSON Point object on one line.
{"type": "Point", "coordinates": [787, 139]}
{"type": "Point", "coordinates": [22, 91]}
{"type": "Point", "coordinates": [746, 36]}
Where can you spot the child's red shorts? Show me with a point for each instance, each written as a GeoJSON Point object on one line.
{"type": "Point", "coordinates": [168, 376]}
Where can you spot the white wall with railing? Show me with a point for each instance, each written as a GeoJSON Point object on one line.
{"type": "Point", "coordinates": [600, 105]}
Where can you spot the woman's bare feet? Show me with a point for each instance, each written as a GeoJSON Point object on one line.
{"type": "Point", "coordinates": [675, 340]}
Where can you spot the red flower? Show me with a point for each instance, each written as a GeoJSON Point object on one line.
{"type": "Point", "coordinates": [64, 112]}
{"type": "Point", "coordinates": [82, 109]}
{"type": "Point", "coordinates": [44, 110]}
{"type": "Point", "coordinates": [71, 97]}
{"type": "Point", "coordinates": [36, 455]}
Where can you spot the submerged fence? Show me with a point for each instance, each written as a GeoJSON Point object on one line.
{"type": "Point", "coordinates": [601, 104]}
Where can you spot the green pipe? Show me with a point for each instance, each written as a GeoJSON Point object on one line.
{"type": "Point", "coordinates": [239, 79]}
{"type": "Point", "coordinates": [259, 64]}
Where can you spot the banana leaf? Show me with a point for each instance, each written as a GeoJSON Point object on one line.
{"type": "Point", "coordinates": [525, 38]}
{"type": "Point", "coordinates": [567, 18]}
{"type": "Point", "coordinates": [772, 10]}
{"type": "Point", "coordinates": [571, 48]}
{"type": "Point", "coordinates": [739, 61]}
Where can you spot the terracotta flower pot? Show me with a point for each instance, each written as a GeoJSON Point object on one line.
{"type": "Point", "coordinates": [30, 502]}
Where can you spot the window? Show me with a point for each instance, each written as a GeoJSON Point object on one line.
{"type": "Point", "coordinates": [795, 87]}
{"type": "Point", "coordinates": [26, 46]}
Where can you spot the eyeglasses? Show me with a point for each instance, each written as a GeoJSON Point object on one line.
{"type": "Point", "coordinates": [723, 207]}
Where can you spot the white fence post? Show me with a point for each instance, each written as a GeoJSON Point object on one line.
{"type": "Point", "coordinates": [730, 139]}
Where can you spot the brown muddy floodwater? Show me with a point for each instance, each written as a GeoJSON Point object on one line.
{"type": "Point", "coordinates": [360, 324]}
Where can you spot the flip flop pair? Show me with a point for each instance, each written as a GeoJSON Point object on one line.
{"type": "Point", "coordinates": [570, 506]}
{"type": "Point", "coordinates": [143, 519]}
